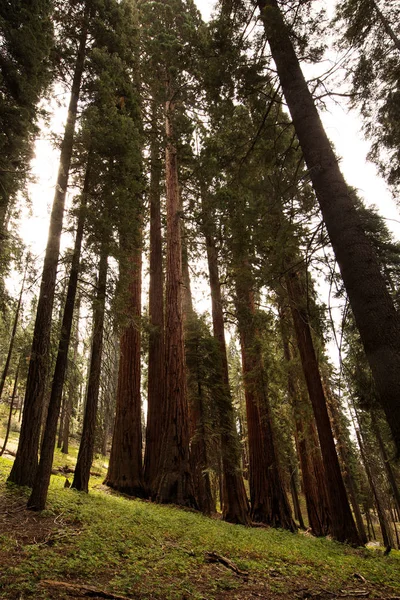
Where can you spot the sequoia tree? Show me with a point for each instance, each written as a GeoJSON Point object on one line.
{"type": "Point", "coordinates": [372, 306]}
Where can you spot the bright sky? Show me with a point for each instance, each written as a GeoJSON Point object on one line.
{"type": "Point", "coordinates": [342, 127]}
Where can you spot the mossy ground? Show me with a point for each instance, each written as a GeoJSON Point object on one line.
{"type": "Point", "coordinates": [143, 550]}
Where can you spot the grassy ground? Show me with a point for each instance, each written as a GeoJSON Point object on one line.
{"type": "Point", "coordinates": [137, 549]}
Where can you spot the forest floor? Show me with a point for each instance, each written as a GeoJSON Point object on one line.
{"type": "Point", "coordinates": [103, 545]}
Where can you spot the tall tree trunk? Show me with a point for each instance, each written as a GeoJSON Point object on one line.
{"type": "Point", "coordinates": [37, 500]}
{"type": "Point", "coordinates": [61, 419]}
{"type": "Point", "coordinates": [175, 480]}
{"type": "Point", "coordinates": [386, 461]}
{"type": "Point", "coordinates": [12, 339]}
{"type": "Point", "coordinates": [372, 306]}
{"type": "Point", "coordinates": [73, 386]}
{"type": "Point", "coordinates": [198, 447]}
{"type": "Point", "coordinates": [156, 368]}
{"type": "Point", "coordinates": [86, 447]}
{"type": "Point", "coordinates": [295, 497]}
{"type": "Point", "coordinates": [308, 449]}
{"type": "Point", "coordinates": [14, 392]}
{"type": "Point", "coordinates": [342, 523]}
{"type": "Point", "coordinates": [269, 503]}
{"type": "Point", "coordinates": [344, 456]}
{"type": "Point", "coordinates": [235, 505]}
{"type": "Point", "coordinates": [24, 468]}
{"type": "Point", "coordinates": [383, 521]}
{"type": "Point", "coordinates": [125, 472]}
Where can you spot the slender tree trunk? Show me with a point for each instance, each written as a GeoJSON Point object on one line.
{"type": "Point", "coordinates": [295, 497]}
{"type": "Point", "coordinates": [156, 368]}
{"type": "Point", "coordinates": [235, 505]}
{"type": "Point", "coordinates": [308, 449]}
{"type": "Point", "coordinates": [343, 452]}
{"type": "Point", "coordinates": [370, 525]}
{"type": "Point", "coordinates": [12, 340]}
{"type": "Point", "coordinates": [62, 419]}
{"type": "Point", "coordinates": [175, 480]}
{"type": "Point", "coordinates": [125, 472]}
{"type": "Point", "coordinates": [372, 306]}
{"type": "Point", "coordinates": [386, 25]}
{"type": "Point", "coordinates": [14, 392]}
{"type": "Point", "coordinates": [73, 386]}
{"type": "Point", "coordinates": [269, 503]}
{"type": "Point", "coordinates": [198, 446]}
{"type": "Point", "coordinates": [383, 522]}
{"type": "Point", "coordinates": [25, 465]}
{"type": "Point", "coordinates": [393, 516]}
{"type": "Point", "coordinates": [342, 523]}
{"type": "Point", "coordinates": [388, 467]}
{"type": "Point", "coordinates": [86, 447]}
{"type": "Point", "coordinates": [37, 500]}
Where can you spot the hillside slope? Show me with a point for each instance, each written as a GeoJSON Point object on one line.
{"type": "Point", "coordinates": [105, 546]}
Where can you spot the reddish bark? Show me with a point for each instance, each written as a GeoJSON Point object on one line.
{"type": "Point", "coordinates": [308, 450]}
{"type": "Point", "coordinates": [86, 447]}
{"type": "Point", "coordinates": [156, 369]}
{"type": "Point", "coordinates": [344, 457]}
{"type": "Point", "coordinates": [198, 446]}
{"type": "Point", "coordinates": [342, 523]}
{"type": "Point", "coordinates": [235, 505]}
{"type": "Point", "coordinates": [175, 481]}
{"type": "Point", "coordinates": [125, 468]}
{"type": "Point", "coordinates": [269, 503]}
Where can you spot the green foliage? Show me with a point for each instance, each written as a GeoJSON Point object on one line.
{"type": "Point", "coordinates": [150, 551]}
{"type": "Point", "coordinates": [26, 38]}
{"type": "Point", "coordinates": [372, 28]}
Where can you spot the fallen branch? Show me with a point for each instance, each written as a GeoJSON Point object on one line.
{"type": "Point", "coordinates": [213, 557]}
{"type": "Point", "coordinates": [85, 591]}
{"type": "Point", "coordinates": [69, 470]}
{"type": "Point", "coordinates": [352, 593]}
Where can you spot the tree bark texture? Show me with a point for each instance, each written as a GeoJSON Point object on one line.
{"type": "Point", "coordinates": [86, 447]}
{"type": "Point", "coordinates": [372, 306]}
{"type": "Point", "coordinates": [386, 461]}
{"type": "Point", "coordinates": [308, 449]}
{"type": "Point", "coordinates": [269, 502]}
{"type": "Point", "coordinates": [26, 460]}
{"type": "Point", "coordinates": [295, 497]}
{"type": "Point", "coordinates": [12, 339]}
{"type": "Point", "coordinates": [175, 481]}
{"type": "Point", "coordinates": [156, 367]}
{"type": "Point", "coordinates": [125, 472]}
{"type": "Point", "coordinates": [344, 457]}
{"type": "Point", "coordinates": [235, 505]}
{"type": "Point", "coordinates": [342, 523]}
{"type": "Point", "coordinates": [37, 500]}
{"type": "Point", "coordinates": [73, 385]}
{"type": "Point", "coordinates": [380, 509]}
{"type": "Point", "coordinates": [199, 462]}
{"type": "Point", "coordinates": [14, 393]}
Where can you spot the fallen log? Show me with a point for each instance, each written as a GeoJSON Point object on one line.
{"type": "Point", "coordinates": [213, 557]}
{"type": "Point", "coordinates": [83, 591]}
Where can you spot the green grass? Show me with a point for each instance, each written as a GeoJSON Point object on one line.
{"type": "Point", "coordinates": [144, 550]}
